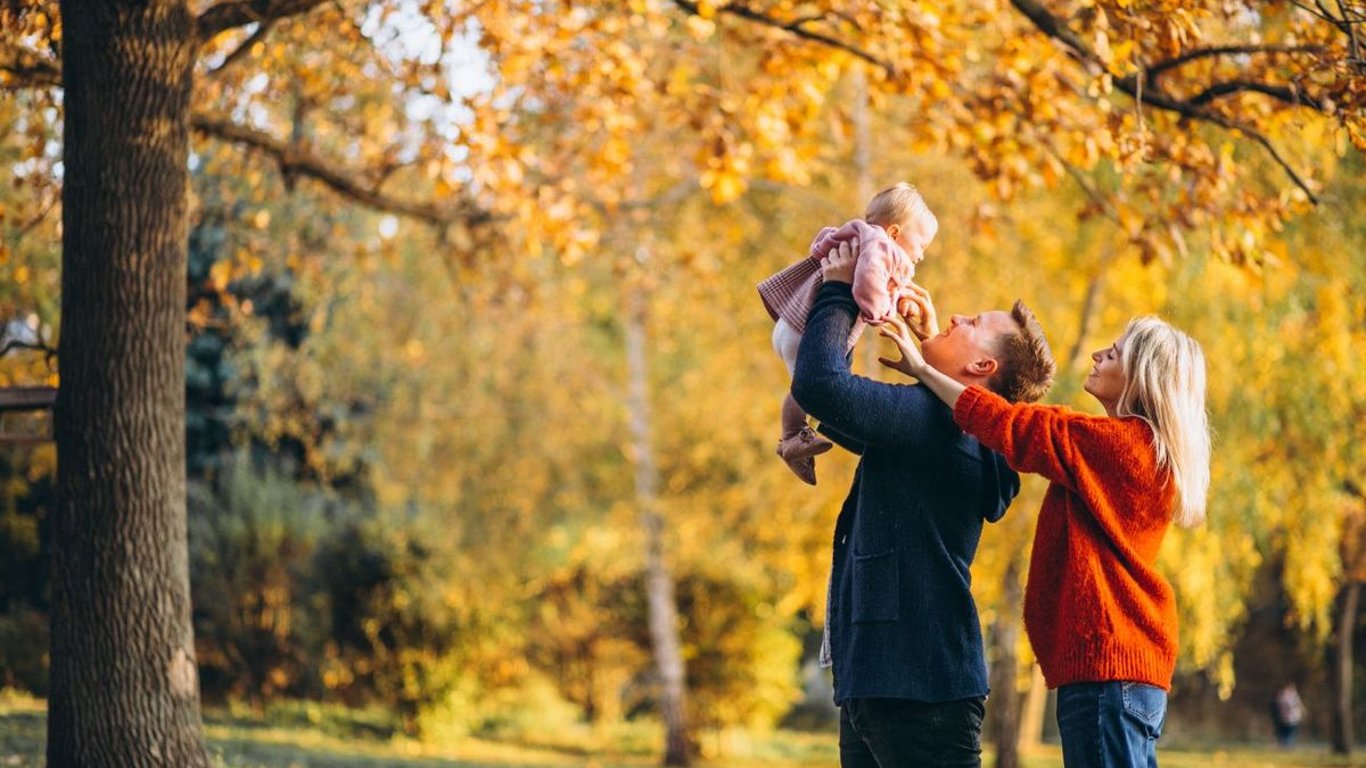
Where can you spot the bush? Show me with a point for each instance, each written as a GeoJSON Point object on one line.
{"type": "Point", "coordinates": [391, 637]}
{"type": "Point", "coordinates": [593, 637]}
{"type": "Point", "coordinates": [23, 651]}
{"type": "Point", "coordinates": [251, 544]}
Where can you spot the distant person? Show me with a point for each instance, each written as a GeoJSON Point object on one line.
{"type": "Point", "coordinates": [903, 633]}
{"type": "Point", "coordinates": [1287, 712]}
{"type": "Point", "coordinates": [1100, 617]}
{"type": "Point", "coordinates": [892, 236]}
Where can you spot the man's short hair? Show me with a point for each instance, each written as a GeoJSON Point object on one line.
{"type": "Point", "coordinates": [1026, 361]}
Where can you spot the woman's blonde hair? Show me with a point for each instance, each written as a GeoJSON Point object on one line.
{"type": "Point", "coordinates": [1164, 384]}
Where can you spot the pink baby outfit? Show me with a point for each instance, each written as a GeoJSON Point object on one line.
{"type": "Point", "coordinates": [881, 273]}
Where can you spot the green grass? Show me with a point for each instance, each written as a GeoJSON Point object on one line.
{"type": "Point", "coordinates": [309, 736]}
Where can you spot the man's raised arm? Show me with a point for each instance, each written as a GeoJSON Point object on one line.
{"type": "Point", "coordinates": [859, 408]}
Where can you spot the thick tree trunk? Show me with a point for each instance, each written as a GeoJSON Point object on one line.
{"type": "Point", "coordinates": [659, 582]}
{"type": "Point", "coordinates": [1342, 668]}
{"type": "Point", "coordinates": [1005, 699]}
{"type": "Point", "coordinates": [124, 690]}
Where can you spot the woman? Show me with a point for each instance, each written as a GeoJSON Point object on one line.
{"type": "Point", "coordinates": [1101, 619]}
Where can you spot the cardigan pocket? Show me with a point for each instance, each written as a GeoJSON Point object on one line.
{"type": "Point", "coordinates": [877, 587]}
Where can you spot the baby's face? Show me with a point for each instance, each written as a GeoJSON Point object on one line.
{"type": "Point", "coordinates": [914, 237]}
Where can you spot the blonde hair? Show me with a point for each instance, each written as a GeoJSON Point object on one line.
{"type": "Point", "coordinates": [900, 203]}
{"type": "Point", "coordinates": [1164, 384]}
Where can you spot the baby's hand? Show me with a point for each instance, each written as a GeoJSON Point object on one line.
{"type": "Point", "coordinates": [907, 309]}
{"type": "Point", "coordinates": [917, 308]}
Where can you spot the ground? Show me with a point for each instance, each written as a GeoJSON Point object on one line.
{"type": "Point", "coordinates": [306, 738]}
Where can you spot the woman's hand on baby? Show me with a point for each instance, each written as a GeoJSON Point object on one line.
{"type": "Point", "coordinates": [838, 265]}
{"type": "Point", "coordinates": [917, 309]}
{"type": "Point", "coordinates": [911, 362]}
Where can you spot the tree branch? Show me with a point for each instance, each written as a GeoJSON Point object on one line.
{"type": "Point", "coordinates": [293, 160]}
{"type": "Point", "coordinates": [1087, 315]}
{"type": "Point", "coordinates": [1313, 11]}
{"type": "Point", "coordinates": [1102, 203]}
{"type": "Point", "coordinates": [27, 69]}
{"type": "Point", "coordinates": [1151, 95]}
{"type": "Point", "coordinates": [262, 30]}
{"type": "Point", "coordinates": [1287, 94]}
{"type": "Point", "coordinates": [33, 223]}
{"type": "Point", "coordinates": [36, 346]}
{"type": "Point", "coordinates": [798, 29]}
{"type": "Point", "coordinates": [1156, 70]}
{"type": "Point", "coordinates": [237, 13]}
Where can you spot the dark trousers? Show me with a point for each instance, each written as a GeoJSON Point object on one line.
{"type": "Point", "coordinates": [898, 733]}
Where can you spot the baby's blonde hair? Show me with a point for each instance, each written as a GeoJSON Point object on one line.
{"type": "Point", "coordinates": [1164, 384]}
{"type": "Point", "coordinates": [900, 203]}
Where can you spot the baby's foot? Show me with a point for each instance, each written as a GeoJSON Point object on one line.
{"type": "Point", "coordinates": [799, 450]}
{"type": "Point", "coordinates": [802, 444]}
{"type": "Point", "coordinates": [804, 468]}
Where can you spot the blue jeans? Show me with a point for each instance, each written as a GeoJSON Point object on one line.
{"type": "Point", "coordinates": [900, 733]}
{"type": "Point", "coordinates": [1110, 725]}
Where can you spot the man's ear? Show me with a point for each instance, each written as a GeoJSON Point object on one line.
{"type": "Point", "coordinates": [985, 367]}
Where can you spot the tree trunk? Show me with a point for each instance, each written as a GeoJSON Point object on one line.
{"type": "Point", "coordinates": [124, 690]}
{"type": "Point", "coordinates": [659, 582]}
{"type": "Point", "coordinates": [863, 178]}
{"type": "Point", "coordinates": [1342, 669]}
{"type": "Point", "coordinates": [1032, 709]}
{"type": "Point", "coordinates": [1005, 699]}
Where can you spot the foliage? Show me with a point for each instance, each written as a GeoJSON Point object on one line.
{"type": "Point", "coordinates": [226, 317]}
{"type": "Point", "coordinates": [387, 636]}
{"type": "Point", "coordinates": [25, 493]}
{"type": "Point", "coordinates": [1289, 398]}
{"type": "Point", "coordinates": [251, 540]}
{"type": "Point", "coordinates": [447, 521]}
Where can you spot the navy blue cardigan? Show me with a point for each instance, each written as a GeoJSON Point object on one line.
{"type": "Point", "coordinates": [903, 623]}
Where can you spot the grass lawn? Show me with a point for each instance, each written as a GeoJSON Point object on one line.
{"type": "Point", "coordinates": [304, 738]}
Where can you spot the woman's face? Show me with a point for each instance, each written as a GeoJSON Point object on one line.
{"type": "Point", "coordinates": [1106, 381]}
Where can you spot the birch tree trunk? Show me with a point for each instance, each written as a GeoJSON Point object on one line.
{"type": "Point", "coordinates": [124, 690]}
{"type": "Point", "coordinates": [659, 582]}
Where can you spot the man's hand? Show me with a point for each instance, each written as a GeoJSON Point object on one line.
{"type": "Point", "coordinates": [838, 265]}
{"type": "Point", "coordinates": [912, 363]}
{"type": "Point", "coordinates": [916, 307]}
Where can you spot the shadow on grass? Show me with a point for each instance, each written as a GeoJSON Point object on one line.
{"type": "Point", "coordinates": [285, 743]}
{"type": "Point", "coordinates": [245, 753]}
{"type": "Point", "coordinates": [22, 738]}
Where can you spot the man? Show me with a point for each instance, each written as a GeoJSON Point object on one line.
{"type": "Point", "coordinates": [903, 632]}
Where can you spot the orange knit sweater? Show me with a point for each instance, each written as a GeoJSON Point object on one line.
{"type": "Point", "coordinates": [1096, 608]}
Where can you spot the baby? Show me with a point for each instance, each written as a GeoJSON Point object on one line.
{"type": "Point", "coordinates": [892, 237]}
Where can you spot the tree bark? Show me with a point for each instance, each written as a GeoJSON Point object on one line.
{"type": "Point", "coordinates": [124, 690]}
{"type": "Point", "coordinates": [1005, 698]}
{"type": "Point", "coordinates": [659, 582]}
{"type": "Point", "coordinates": [1343, 738]}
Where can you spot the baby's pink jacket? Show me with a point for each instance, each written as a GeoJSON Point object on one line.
{"type": "Point", "coordinates": [883, 270]}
